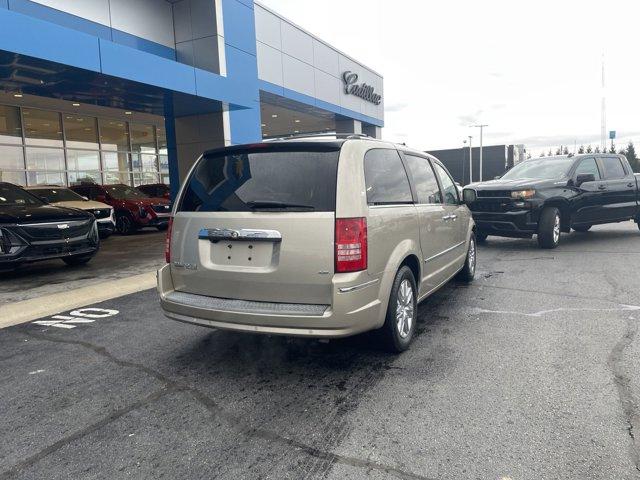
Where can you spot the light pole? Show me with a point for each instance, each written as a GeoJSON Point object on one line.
{"type": "Point", "coordinates": [470, 161]}
{"type": "Point", "coordinates": [481, 127]}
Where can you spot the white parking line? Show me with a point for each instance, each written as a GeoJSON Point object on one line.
{"type": "Point", "coordinates": [77, 317]}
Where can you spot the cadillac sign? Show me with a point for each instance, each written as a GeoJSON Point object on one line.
{"type": "Point", "coordinates": [362, 90]}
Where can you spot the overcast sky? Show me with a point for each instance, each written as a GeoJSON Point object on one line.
{"type": "Point", "coordinates": [529, 69]}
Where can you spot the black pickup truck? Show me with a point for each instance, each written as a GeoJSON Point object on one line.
{"type": "Point", "coordinates": [549, 195]}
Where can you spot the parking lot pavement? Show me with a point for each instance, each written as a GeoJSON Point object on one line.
{"type": "Point", "coordinates": [532, 372]}
{"type": "Point", "coordinates": [119, 257]}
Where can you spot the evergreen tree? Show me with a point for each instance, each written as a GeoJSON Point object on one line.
{"type": "Point", "coordinates": [543, 154]}
{"type": "Point", "coordinates": [559, 150]}
{"type": "Point", "coordinates": [632, 157]}
{"type": "Point", "coordinates": [589, 149]}
{"type": "Point", "coordinates": [550, 154]}
{"type": "Point", "coordinates": [613, 148]}
{"type": "Point", "coordinates": [581, 149]}
{"type": "Point", "coordinates": [597, 150]}
{"type": "Point", "coordinates": [565, 151]}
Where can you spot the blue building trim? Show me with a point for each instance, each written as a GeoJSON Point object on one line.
{"type": "Point", "coordinates": [73, 48]}
{"type": "Point", "coordinates": [242, 68]}
{"type": "Point", "coordinates": [172, 147]}
{"type": "Point", "coordinates": [67, 20]}
{"type": "Point", "coordinates": [125, 62]}
{"type": "Point", "coordinates": [52, 42]}
{"type": "Point", "coordinates": [309, 100]}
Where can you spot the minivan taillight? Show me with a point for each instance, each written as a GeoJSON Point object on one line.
{"type": "Point", "coordinates": [351, 244]}
{"type": "Point", "coordinates": [167, 241]}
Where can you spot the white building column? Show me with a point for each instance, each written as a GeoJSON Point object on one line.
{"type": "Point", "coordinates": [348, 125]}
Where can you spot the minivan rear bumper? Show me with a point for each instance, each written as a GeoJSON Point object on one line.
{"type": "Point", "coordinates": [354, 310]}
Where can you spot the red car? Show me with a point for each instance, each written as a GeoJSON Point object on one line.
{"type": "Point", "coordinates": [133, 209]}
{"type": "Point", "coordinates": [156, 190]}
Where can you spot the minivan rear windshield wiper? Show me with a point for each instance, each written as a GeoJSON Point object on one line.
{"type": "Point", "coordinates": [257, 204]}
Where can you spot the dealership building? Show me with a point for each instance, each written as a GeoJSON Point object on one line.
{"type": "Point", "coordinates": [132, 91]}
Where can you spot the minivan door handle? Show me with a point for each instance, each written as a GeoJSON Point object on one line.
{"type": "Point", "coordinates": [602, 187]}
{"type": "Point", "coordinates": [446, 217]}
{"type": "Point", "coordinates": [631, 185]}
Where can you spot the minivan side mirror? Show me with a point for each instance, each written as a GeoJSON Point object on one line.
{"type": "Point", "coordinates": [469, 195]}
{"type": "Point", "coordinates": [584, 178]}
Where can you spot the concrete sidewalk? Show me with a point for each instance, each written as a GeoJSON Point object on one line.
{"type": "Point", "coordinates": [28, 310]}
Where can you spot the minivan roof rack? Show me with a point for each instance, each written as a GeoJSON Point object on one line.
{"type": "Point", "coordinates": [338, 136]}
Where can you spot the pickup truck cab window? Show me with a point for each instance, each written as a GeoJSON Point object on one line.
{"type": "Point", "coordinates": [613, 168]}
{"type": "Point", "coordinates": [586, 166]}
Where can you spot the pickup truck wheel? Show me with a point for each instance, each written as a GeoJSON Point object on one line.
{"type": "Point", "coordinates": [400, 323]}
{"type": "Point", "coordinates": [549, 227]}
{"type": "Point", "coordinates": [583, 228]}
{"type": "Point", "coordinates": [469, 270]}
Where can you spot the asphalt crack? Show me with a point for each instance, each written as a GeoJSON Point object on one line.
{"type": "Point", "coordinates": [623, 385]}
{"type": "Point", "coordinates": [116, 414]}
{"type": "Point", "coordinates": [210, 404]}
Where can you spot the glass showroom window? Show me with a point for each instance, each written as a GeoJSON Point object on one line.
{"type": "Point", "coordinates": [10, 126]}
{"type": "Point", "coordinates": [12, 168]}
{"type": "Point", "coordinates": [83, 167]}
{"type": "Point", "coordinates": [163, 155]}
{"type": "Point", "coordinates": [42, 128]}
{"type": "Point", "coordinates": [144, 159]}
{"type": "Point", "coordinates": [12, 164]}
{"type": "Point", "coordinates": [45, 166]}
{"type": "Point", "coordinates": [80, 132]}
{"type": "Point", "coordinates": [114, 142]}
{"type": "Point", "coordinates": [44, 154]}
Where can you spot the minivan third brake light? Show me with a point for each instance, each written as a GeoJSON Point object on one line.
{"type": "Point", "coordinates": [351, 244]}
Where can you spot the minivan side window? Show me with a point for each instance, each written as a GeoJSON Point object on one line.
{"type": "Point", "coordinates": [385, 177]}
{"type": "Point", "coordinates": [613, 168]}
{"type": "Point", "coordinates": [424, 179]}
{"type": "Point", "coordinates": [586, 166]}
{"type": "Point", "coordinates": [449, 189]}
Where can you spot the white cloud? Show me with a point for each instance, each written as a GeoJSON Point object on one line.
{"type": "Point", "coordinates": [531, 70]}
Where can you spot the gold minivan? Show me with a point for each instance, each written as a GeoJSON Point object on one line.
{"type": "Point", "coordinates": [318, 237]}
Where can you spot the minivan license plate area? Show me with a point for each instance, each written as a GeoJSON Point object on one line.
{"type": "Point", "coordinates": [245, 254]}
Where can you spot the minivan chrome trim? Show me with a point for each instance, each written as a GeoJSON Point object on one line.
{"type": "Point", "coordinates": [217, 234]}
{"type": "Point", "coordinates": [353, 288]}
{"type": "Point", "coordinates": [444, 252]}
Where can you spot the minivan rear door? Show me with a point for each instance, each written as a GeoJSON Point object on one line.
{"type": "Point", "coordinates": [257, 223]}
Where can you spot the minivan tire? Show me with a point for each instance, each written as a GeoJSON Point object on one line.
{"type": "Point", "coordinates": [469, 270]}
{"type": "Point", "coordinates": [549, 228]}
{"type": "Point", "coordinates": [402, 312]}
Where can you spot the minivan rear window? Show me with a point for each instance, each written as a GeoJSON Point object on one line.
{"type": "Point", "coordinates": [263, 179]}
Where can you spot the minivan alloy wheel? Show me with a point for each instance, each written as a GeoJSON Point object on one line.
{"type": "Point", "coordinates": [471, 255]}
{"type": "Point", "coordinates": [404, 309]}
{"type": "Point", "coordinates": [556, 229]}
